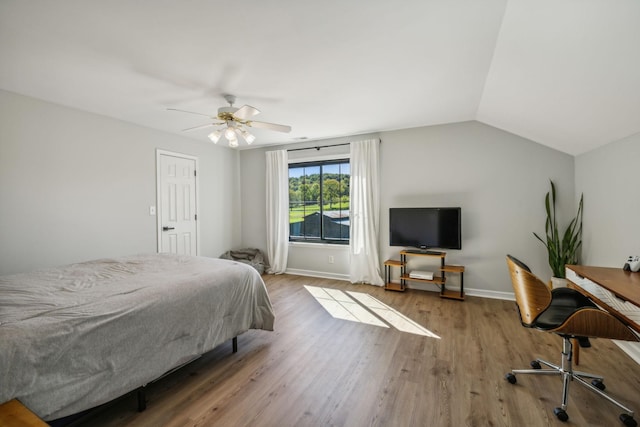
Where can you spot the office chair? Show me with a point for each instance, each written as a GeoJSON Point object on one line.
{"type": "Point", "coordinates": [569, 314]}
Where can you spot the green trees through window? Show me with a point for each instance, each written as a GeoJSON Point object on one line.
{"type": "Point", "coordinates": [319, 201]}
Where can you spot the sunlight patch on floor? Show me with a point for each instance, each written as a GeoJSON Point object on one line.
{"type": "Point", "coordinates": [391, 315]}
{"type": "Point", "coordinates": [341, 306]}
{"type": "Point", "coordinates": [363, 308]}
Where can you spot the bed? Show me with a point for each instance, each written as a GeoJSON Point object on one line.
{"type": "Point", "coordinates": [75, 337]}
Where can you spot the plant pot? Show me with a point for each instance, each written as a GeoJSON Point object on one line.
{"type": "Point", "coordinates": [558, 282]}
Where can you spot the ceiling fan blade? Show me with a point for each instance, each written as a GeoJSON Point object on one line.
{"type": "Point", "coordinates": [270, 126]}
{"type": "Point", "coordinates": [200, 127]}
{"type": "Point", "coordinates": [191, 112]}
{"type": "Point", "coordinates": [245, 112]}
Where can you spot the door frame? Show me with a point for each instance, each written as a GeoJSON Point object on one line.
{"type": "Point", "coordinates": [159, 153]}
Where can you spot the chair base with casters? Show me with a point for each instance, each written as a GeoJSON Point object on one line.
{"type": "Point", "coordinates": [568, 374]}
{"type": "Point", "coordinates": [571, 316]}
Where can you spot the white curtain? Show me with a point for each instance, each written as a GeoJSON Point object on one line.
{"type": "Point", "coordinates": [277, 210]}
{"type": "Point", "coordinates": [365, 213]}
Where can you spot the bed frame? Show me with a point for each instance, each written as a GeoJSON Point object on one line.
{"type": "Point", "coordinates": [141, 392]}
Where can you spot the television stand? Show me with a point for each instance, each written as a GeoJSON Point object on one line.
{"type": "Point", "coordinates": [438, 280]}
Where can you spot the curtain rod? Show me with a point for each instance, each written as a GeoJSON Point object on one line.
{"type": "Point", "coordinates": [318, 147]}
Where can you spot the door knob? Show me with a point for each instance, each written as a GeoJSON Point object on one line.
{"type": "Point", "coordinates": [165, 228]}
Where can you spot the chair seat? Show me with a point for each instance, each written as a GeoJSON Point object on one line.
{"type": "Point", "coordinates": [564, 303]}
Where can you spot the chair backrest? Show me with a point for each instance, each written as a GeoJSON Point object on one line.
{"type": "Point", "coordinates": [532, 295]}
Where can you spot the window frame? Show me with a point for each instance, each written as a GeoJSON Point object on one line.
{"type": "Point", "coordinates": [321, 163]}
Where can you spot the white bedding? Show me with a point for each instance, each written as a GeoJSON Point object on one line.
{"type": "Point", "coordinates": [77, 336]}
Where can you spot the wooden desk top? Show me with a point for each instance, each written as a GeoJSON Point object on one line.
{"type": "Point", "coordinates": [624, 284]}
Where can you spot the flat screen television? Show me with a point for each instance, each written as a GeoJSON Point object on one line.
{"type": "Point", "coordinates": [426, 228]}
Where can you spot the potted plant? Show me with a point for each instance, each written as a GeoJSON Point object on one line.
{"type": "Point", "coordinates": [562, 248]}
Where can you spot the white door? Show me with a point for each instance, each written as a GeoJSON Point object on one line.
{"type": "Point", "coordinates": [177, 203]}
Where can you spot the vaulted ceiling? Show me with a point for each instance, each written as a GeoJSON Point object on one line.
{"type": "Point", "coordinates": [564, 73]}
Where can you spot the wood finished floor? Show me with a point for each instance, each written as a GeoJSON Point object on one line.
{"type": "Point", "coordinates": [316, 370]}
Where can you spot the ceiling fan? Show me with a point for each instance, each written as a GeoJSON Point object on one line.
{"type": "Point", "coordinates": [233, 123]}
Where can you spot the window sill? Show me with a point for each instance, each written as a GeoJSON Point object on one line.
{"type": "Point", "coordinates": [320, 245]}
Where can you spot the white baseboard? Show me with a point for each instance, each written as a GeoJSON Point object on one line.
{"type": "Point", "coordinates": [320, 274]}
{"type": "Point", "coordinates": [483, 293]}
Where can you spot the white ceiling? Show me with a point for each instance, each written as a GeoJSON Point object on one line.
{"type": "Point", "coordinates": [565, 73]}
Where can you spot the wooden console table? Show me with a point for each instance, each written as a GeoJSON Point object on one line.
{"type": "Point", "coordinates": [438, 280]}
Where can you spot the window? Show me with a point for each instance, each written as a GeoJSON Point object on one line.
{"type": "Point", "coordinates": [319, 201]}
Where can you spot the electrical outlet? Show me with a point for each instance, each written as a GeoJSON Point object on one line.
{"type": "Point", "coordinates": [152, 210]}
{"type": "Point", "coordinates": [330, 259]}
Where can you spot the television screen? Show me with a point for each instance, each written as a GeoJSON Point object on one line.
{"type": "Point", "coordinates": [425, 228]}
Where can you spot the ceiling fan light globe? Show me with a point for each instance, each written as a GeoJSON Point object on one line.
{"type": "Point", "coordinates": [248, 137]}
{"type": "Point", "coordinates": [230, 133]}
{"type": "Point", "coordinates": [215, 136]}
{"type": "Point", "coordinates": [233, 143]}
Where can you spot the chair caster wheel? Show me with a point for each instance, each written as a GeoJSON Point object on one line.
{"type": "Point", "coordinates": [599, 385]}
{"type": "Point", "coordinates": [535, 364]}
{"type": "Point", "coordinates": [628, 420]}
{"type": "Point", "coordinates": [561, 414]}
{"type": "Point", "coordinates": [511, 378]}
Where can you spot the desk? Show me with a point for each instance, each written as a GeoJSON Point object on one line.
{"type": "Point", "coordinates": [614, 290]}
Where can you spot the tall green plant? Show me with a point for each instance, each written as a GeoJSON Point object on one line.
{"type": "Point", "coordinates": [562, 249]}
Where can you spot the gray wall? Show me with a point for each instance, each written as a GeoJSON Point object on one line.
{"type": "Point", "coordinates": [498, 179]}
{"type": "Point", "coordinates": [609, 178]}
{"type": "Point", "coordinates": [76, 186]}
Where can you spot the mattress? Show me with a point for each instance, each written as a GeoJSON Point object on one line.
{"type": "Point", "coordinates": [77, 336]}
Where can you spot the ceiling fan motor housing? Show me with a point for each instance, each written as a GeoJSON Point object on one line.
{"type": "Point", "coordinates": [226, 113]}
{"type": "Point", "coordinates": [228, 110]}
